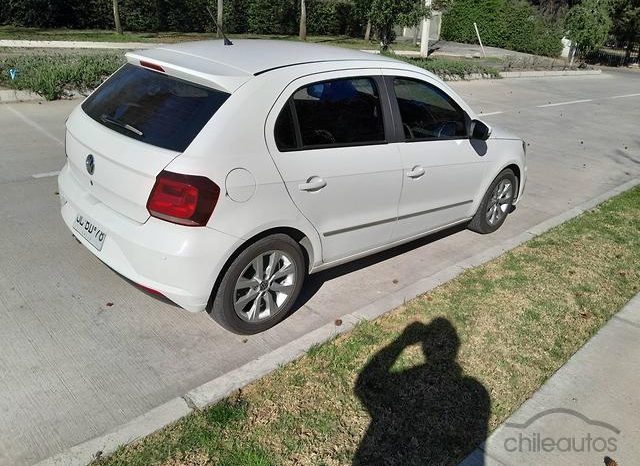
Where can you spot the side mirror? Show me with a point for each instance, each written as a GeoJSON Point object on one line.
{"type": "Point", "coordinates": [479, 130]}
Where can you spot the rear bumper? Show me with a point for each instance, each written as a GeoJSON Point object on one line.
{"type": "Point", "coordinates": [180, 262]}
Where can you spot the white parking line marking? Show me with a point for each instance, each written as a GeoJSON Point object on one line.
{"type": "Point", "coordinates": [33, 124]}
{"type": "Point", "coordinates": [46, 175]}
{"type": "Point", "coordinates": [565, 103]}
{"type": "Point", "coordinates": [491, 113]}
{"type": "Point", "coordinates": [624, 96]}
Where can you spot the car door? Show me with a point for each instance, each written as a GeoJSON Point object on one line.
{"type": "Point", "coordinates": [327, 134]}
{"type": "Point", "coordinates": [443, 172]}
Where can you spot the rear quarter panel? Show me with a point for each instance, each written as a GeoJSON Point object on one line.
{"type": "Point", "coordinates": [234, 139]}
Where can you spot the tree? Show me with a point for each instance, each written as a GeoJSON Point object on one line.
{"type": "Point", "coordinates": [116, 17]}
{"type": "Point", "coordinates": [385, 14]}
{"type": "Point", "coordinates": [363, 12]}
{"type": "Point", "coordinates": [219, 19]}
{"type": "Point", "coordinates": [367, 31]}
{"type": "Point", "coordinates": [588, 24]}
{"type": "Point", "coordinates": [554, 9]}
{"type": "Point", "coordinates": [303, 20]}
{"type": "Point", "coordinates": [626, 24]}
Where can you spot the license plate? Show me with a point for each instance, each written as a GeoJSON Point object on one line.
{"type": "Point", "coordinates": [90, 231]}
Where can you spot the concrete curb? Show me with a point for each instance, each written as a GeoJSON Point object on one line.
{"type": "Point", "coordinates": [220, 387]}
{"type": "Point", "coordinates": [523, 74]}
{"type": "Point", "coordinates": [10, 96]}
{"type": "Point", "coordinates": [548, 74]}
{"type": "Point", "coordinates": [217, 389]}
{"type": "Point", "coordinates": [503, 74]}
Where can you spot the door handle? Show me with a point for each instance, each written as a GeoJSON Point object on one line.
{"type": "Point", "coordinates": [315, 183]}
{"type": "Point", "coordinates": [416, 172]}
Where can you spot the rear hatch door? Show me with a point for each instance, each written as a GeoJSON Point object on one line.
{"type": "Point", "coordinates": [130, 129]}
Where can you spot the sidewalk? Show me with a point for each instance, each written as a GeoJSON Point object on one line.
{"type": "Point", "coordinates": [458, 49]}
{"type": "Point", "coordinates": [444, 48]}
{"type": "Point", "coordinates": [76, 44]}
{"type": "Point", "coordinates": [588, 410]}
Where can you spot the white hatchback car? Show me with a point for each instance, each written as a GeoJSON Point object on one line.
{"type": "Point", "coordinates": [221, 175]}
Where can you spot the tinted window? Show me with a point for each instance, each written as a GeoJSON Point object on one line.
{"type": "Point", "coordinates": [339, 112]}
{"type": "Point", "coordinates": [285, 131]}
{"type": "Point", "coordinates": [154, 108]}
{"type": "Point", "coordinates": [427, 112]}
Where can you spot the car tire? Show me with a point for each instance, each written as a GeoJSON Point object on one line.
{"type": "Point", "coordinates": [496, 204]}
{"type": "Point", "coordinates": [260, 286]}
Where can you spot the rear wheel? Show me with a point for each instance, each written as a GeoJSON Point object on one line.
{"type": "Point", "coordinates": [496, 204]}
{"type": "Point", "coordinates": [260, 286]}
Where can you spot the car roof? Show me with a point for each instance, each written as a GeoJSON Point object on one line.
{"type": "Point", "coordinates": [227, 67]}
{"type": "Point", "coordinates": [250, 56]}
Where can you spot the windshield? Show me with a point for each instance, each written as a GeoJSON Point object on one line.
{"type": "Point", "coordinates": [153, 107]}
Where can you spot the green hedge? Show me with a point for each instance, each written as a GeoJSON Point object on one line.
{"type": "Point", "coordinates": [57, 13]}
{"type": "Point", "coordinates": [325, 17]}
{"type": "Point", "coordinates": [272, 16]}
{"type": "Point", "coordinates": [4, 11]}
{"type": "Point", "coordinates": [136, 15]}
{"type": "Point", "coordinates": [333, 18]}
{"type": "Point", "coordinates": [236, 16]}
{"type": "Point", "coordinates": [139, 15]}
{"type": "Point", "coordinates": [166, 15]}
{"type": "Point", "coordinates": [511, 24]}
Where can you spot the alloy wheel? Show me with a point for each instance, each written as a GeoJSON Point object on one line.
{"type": "Point", "coordinates": [500, 202]}
{"type": "Point", "coordinates": [264, 286]}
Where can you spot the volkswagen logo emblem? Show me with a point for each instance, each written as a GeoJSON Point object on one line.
{"type": "Point", "coordinates": [90, 164]}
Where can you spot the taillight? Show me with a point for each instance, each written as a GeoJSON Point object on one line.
{"type": "Point", "coordinates": [183, 199]}
{"type": "Point", "coordinates": [151, 66]}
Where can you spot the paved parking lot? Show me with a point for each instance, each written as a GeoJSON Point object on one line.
{"type": "Point", "coordinates": [82, 351]}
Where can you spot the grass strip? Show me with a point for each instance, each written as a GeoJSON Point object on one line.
{"type": "Point", "coordinates": [8, 32]}
{"type": "Point", "coordinates": [453, 68]}
{"type": "Point", "coordinates": [56, 75]}
{"type": "Point", "coordinates": [425, 383]}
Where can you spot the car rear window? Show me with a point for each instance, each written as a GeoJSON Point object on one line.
{"type": "Point", "coordinates": [153, 107]}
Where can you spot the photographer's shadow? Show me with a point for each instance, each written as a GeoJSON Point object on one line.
{"type": "Point", "coordinates": [425, 415]}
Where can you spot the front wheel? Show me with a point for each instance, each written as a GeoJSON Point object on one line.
{"type": "Point", "coordinates": [496, 204]}
{"type": "Point", "coordinates": [260, 286]}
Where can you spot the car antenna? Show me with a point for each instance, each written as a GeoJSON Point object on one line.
{"type": "Point", "coordinates": [219, 26]}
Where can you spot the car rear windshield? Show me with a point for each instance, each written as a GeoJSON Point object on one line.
{"type": "Point", "coordinates": [153, 107]}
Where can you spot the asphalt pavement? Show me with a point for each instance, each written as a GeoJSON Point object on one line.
{"type": "Point", "coordinates": [82, 351]}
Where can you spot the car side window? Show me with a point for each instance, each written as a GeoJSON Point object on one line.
{"type": "Point", "coordinates": [428, 112]}
{"type": "Point", "coordinates": [285, 130]}
{"type": "Point", "coordinates": [340, 112]}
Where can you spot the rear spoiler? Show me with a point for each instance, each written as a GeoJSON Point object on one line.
{"type": "Point", "coordinates": [194, 69]}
